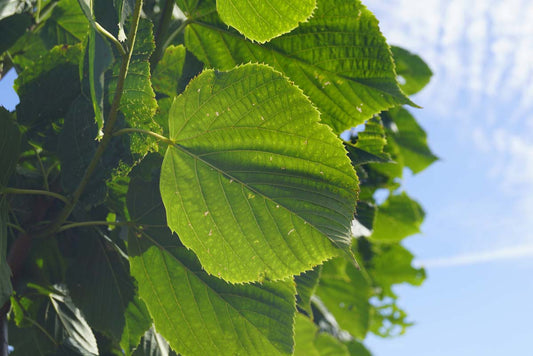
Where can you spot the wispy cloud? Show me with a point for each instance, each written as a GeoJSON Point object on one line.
{"type": "Point", "coordinates": [509, 253]}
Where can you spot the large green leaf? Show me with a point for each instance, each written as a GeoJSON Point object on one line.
{"type": "Point", "coordinates": [344, 291]}
{"type": "Point", "coordinates": [262, 20]}
{"type": "Point", "coordinates": [413, 71]}
{"type": "Point", "coordinates": [9, 148]}
{"type": "Point", "coordinates": [310, 342]}
{"type": "Point", "coordinates": [339, 59]}
{"type": "Point", "coordinates": [397, 218]}
{"type": "Point", "coordinates": [255, 185]}
{"type": "Point", "coordinates": [138, 102]}
{"type": "Point", "coordinates": [199, 314]}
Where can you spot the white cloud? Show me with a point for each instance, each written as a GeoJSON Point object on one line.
{"type": "Point", "coordinates": [509, 253]}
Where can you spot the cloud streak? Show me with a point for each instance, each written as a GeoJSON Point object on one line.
{"type": "Point", "coordinates": [508, 253]}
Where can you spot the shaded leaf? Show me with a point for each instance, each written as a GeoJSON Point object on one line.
{"type": "Point", "coordinates": [77, 146]}
{"type": "Point", "coordinates": [12, 28]}
{"type": "Point", "coordinates": [398, 217]}
{"type": "Point", "coordinates": [196, 313]}
{"type": "Point", "coordinates": [169, 70]}
{"type": "Point", "coordinates": [356, 348]}
{"type": "Point", "coordinates": [414, 72]}
{"type": "Point", "coordinates": [306, 283]}
{"type": "Point", "coordinates": [262, 20]}
{"type": "Point", "coordinates": [153, 344]}
{"type": "Point", "coordinates": [255, 185]}
{"type": "Point", "coordinates": [369, 144]}
{"type": "Point", "coordinates": [341, 62]}
{"type": "Point", "coordinates": [310, 342]}
{"type": "Point", "coordinates": [345, 292]}
{"type": "Point", "coordinates": [138, 320]}
{"type": "Point", "coordinates": [410, 138]}
{"type": "Point", "coordinates": [47, 85]}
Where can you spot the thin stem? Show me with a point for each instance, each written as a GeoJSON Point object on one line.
{"type": "Point", "coordinates": [16, 227]}
{"type": "Point", "coordinates": [176, 32]}
{"type": "Point", "coordinates": [156, 135]}
{"type": "Point", "coordinates": [38, 12]}
{"type": "Point", "coordinates": [43, 171]}
{"type": "Point", "coordinates": [93, 223]}
{"type": "Point", "coordinates": [108, 129]}
{"type": "Point", "coordinates": [113, 39]}
{"type": "Point", "coordinates": [162, 30]}
{"type": "Point", "coordinates": [9, 190]}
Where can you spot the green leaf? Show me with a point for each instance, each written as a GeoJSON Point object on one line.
{"type": "Point", "coordinates": [369, 144]}
{"type": "Point", "coordinates": [410, 138]}
{"type": "Point", "coordinates": [345, 292]}
{"type": "Point", "coordinates": [98, 265]}
{"type": "Point", "coordinates": [306, 283]}
{"type": "Point", "coordinates": [412, 70]}
{"type": "Point", "coordinates": [138, 102]}
{"type": "Point", "coordinates": [12, 28]}
{"type": "Point", "coordinates": [199, 314]}
{"type": "Point", "coordinates": [392, 264]}
{"type": "Point", "coordinates": [255, 185]}
{"type": "Point", "coordinates": [169, 70]}
{"type": "Point", "coordinates": [153, 344]}
{"type": "Point", "coordinates": [398, 217]}
{"type": "Point", "coordinates": [310, 342]}
{"type": "Point", "coordinates": [77, 146]}
{"type": "Point", "coordinates": [262, 20]}
{"type": "Point", "coordinates": [138, 320]}
{"type": "Point", "coordinates": [67, 25]}
{"type": "Point", "coordinates": [357, 349]}
{"type": "Point", "coordinates": [341, 62]}
{"type": "Point", "coordinates": [9, 148]}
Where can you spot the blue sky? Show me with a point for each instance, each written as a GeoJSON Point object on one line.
{"type": "Point", "coordinates": [477, 241]}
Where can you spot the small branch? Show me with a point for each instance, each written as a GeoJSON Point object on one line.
{"type": "Point", "coordinates": [16, 227]}
{"type": "Point", "coordinates": [108, 129]}
{"type": "Point", "coordinates": [43, 171]}
{"type": "Point", "coordinates": [9, 190]}
{"type": "Point", "coordinates": [112, 38]}
{"type": "Point", "coordinates": [162, 30]}
{"type": "Point", "coordinates": [175, 33]}
{"type": "Point", "coordinates": [93, 223]}
{"type": "Point", "coordinates": [153, 134]}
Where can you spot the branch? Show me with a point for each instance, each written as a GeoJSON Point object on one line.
{"type": "Point", "coordinates": [108, 129]}
{"type": "Point", "coordinates": [10, 190]}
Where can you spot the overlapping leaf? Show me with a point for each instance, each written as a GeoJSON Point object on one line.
{"type": "Point", "coordinates": [306, 284]}
{"type": "Point", "coordinates": [397, 218]}
{"type": "Point", "coordinates": [255, 185]}
{"type": "Point", "coordinates": [339, 59]}
{"type": "Point", "coordinates": [413, 71]}
{"type": "Point", "coordinates": [262, 20]}
{"type": "Point", "coordinates": [199, 314]}
{"type": "Point", "coordinates": [169, 70]}
{"type": "Point", "coordinates": [345, 293]}
{"type": "Point", "coordinates": [310, 342]}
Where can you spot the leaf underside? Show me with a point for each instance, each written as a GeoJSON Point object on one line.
{"type": "Point", "coordinates": [255, 185]}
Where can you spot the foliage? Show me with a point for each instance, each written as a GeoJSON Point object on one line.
{"type": "Point", "coordinates": [174, 180]}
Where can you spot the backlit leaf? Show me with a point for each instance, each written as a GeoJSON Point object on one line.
{"type": "Point", "coordinates": [339, 59]}
{"type": "Point", "coordinates": [397, 218]}
{"type": "Point", "coordinates": [310, 342]}
{"type": "Point", "coordinates": [306, 284]}
{"type": "Point", "coordinates": [255, 185]}
{"type": "Point", "coordinates": [168, 71]}
{"type": "Point", "coordinates": [262, 20]}
{"type": "Point", "coordinates": [344, 291]}
{"type": "Point", "coordinates": [199, 314]}
{"type": "Point", "coordinates": [414, 73]}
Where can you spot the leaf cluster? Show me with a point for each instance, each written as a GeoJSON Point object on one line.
{"type": "Point", "coordinates": [174, 178]}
